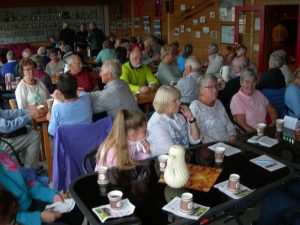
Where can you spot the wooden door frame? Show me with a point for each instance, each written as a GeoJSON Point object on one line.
{"type": "Point", "coordinates": [261, 9]}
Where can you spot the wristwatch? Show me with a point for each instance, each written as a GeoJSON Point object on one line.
{"type": "Point", "coordinates": [193, 120]}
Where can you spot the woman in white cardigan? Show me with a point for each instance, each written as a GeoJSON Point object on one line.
{"type": "Point", "coordinates": [167, 126]}
{"type": "Point", "coordinates": [30, 91]}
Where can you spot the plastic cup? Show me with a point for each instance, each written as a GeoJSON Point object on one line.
{"type": "Point", "coordinates": [50, 103]}
{"type": "Point", "coordinates": [115, 198]}
{"type": "Point", "coordinates": [260, 127]}
{"type": "Point", "coordinates": [219, 154]}
{"type": "Point", "coordinates": [279, 125]}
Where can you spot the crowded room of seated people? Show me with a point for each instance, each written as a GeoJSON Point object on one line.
{"type": "Point", "coordinates": [105, 102]}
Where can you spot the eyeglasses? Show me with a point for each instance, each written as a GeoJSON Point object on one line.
{"type": "Point", "coordinates": [212, 87]}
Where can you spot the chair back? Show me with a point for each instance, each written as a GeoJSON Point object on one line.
{"type": "Point", "coordinates": [12, 103]}
{"type": "Point", "coordinates": [89, 161]}
{"type": "Point", "coordinates": [276, 98]}
{"type": "Point", "coordinates": [71, 144]}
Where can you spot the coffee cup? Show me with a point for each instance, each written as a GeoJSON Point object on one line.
{"type": "Point", "coordinates": [163, 159]}
{"type": "Point", "coordinates": [279, 125]}
{"type": "Point", "coordinates": [50, 103]}
{"type": "Point", "coordinates": [219, 154]}
{"type": "Point", "coordinates": [260, 127]}
{"type": "Point", "coordinates": [234, 183]}
{"type": "Point", "coordinates": [41, 108]}
{"type": "Point", "coordinates": [102, 175]}
{"type": "Point", "coordinates": [186, 203]}
{"type": "Point", "coordinates": [115, 198]}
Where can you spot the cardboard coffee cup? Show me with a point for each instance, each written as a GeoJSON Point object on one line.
{"type": "Point", "coordinates": [279, 125]}
{"type": "Point", "coordinates": [219, 154]}
{"type": "Point", "coordinates": [163, 159]}
{"type": "Point", "coordinates": [115, 198]}
{"type": "Point", "coordinates": [186, 203]}
{"type": "Point", "coordinates": [260, 127]}
{"type": "Point", "coordinates": [234, 183]}
{"type": "Point", "coordinates": [102, 175]}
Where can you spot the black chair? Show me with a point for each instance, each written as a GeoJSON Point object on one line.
{"type": "Point", "coordinates": [11, 150]}
{"type": "Point", "coordinates": [89, 161]}
{"type": "Point", "coordinates": [293, 212]}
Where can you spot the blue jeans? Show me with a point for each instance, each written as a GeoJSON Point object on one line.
{"type": "Point", "coordinates": [278, 200]}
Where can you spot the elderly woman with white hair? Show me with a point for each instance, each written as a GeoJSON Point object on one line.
{"type": "Point", "coordinates": [42, 51]}
{"type": "Point", "coordinates": [168, 72]}
{"type": "Point", "coordinates": [288, 75]}
{"type": "Point", "coordinates": [9, 66]}
{"type": "Point", "coordinates": [215, 60]}
{"type": "Point", "coordinates": [167, 126]}
{"type": "Point", "coordinates": [249, 106]}
{"type": "Point", "coordinates": [210, 113]}
{"type": "Point", "coordinates": [273, 78]}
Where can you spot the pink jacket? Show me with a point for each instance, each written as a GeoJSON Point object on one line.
{"type": "Point", "coordinates": [112, 162]}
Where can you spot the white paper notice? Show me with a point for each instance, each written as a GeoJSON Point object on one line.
{"type": "Point", "coordinates": [290, 122]}
{"type": "Point", "coordinates": [229, 150]}
{"type": "Point", "coordinates": [242, 193]}
{"type": "Point", "coordinates": [61, 207]}
{"type": "Point", "coordinates": [174, 207]}
{"type": "Point", "coordinates": [267, 163]}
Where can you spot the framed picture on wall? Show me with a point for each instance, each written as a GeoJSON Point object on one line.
{"type": "Point", "coordinates": [227, 34]}
{"type": "Point", "coordinates": [226, 9]}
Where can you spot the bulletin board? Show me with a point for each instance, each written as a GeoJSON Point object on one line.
{"type": "Point", "coordinates": [37, 24]}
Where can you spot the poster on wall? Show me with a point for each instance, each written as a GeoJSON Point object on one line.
{"type": "Point", "coordinates": [157, 28]}
{"type": "Point", "coordinates": [146, 23]}
{"type": "Point", "coordinates": [136, 22]}
{"type": "Point", "coordinates": [227, 34]}
{"type": "Point", "coordinates": [226, 9]}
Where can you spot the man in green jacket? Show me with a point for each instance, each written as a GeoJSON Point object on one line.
{"type": "Point", "coordinates": [138, 76]}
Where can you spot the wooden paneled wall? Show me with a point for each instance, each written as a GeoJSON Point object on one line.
{"type": "Point", "coordinates": [171, 20]}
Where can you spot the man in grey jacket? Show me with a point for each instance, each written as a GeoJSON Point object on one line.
{"type": "Point", "coordinates": [116, 94]}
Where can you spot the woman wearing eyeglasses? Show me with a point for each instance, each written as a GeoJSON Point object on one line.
{"type": "Point", "coordinates": [249, 106]}
{"type": "Point", "coordinates": [210, 113]}
{"type": "Point", "coordinates": [30, 91]}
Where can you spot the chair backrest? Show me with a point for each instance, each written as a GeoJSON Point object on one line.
{"type": "Point", "coordinates": [12, 103]}
{"type": "Point", "coordinates": [276, 98]}
{"type": "Point", "coordinates": [89, 161]}
{"type": "Point", "coordinates": [71, 144]}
